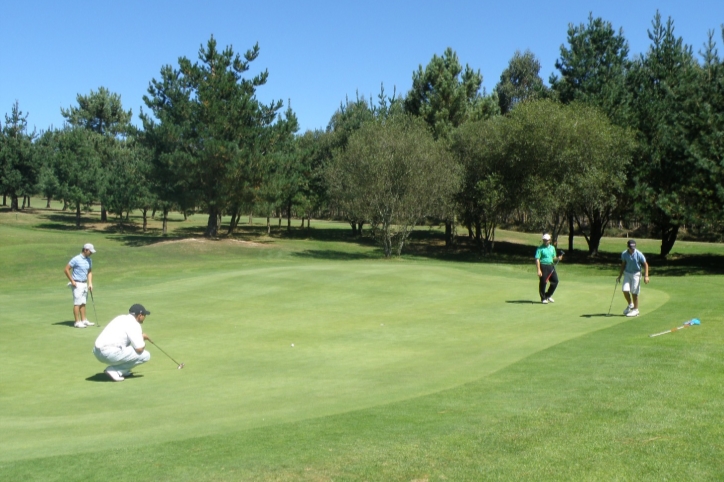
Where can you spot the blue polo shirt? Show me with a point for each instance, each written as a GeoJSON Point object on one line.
{"type": "Point", "coordinates": [633, 261]}
{"type": "Point", "coordinates": [80, 265]}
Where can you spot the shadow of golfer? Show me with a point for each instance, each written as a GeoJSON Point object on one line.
{"type": "Point", "coordinates": [523, 302]}
{"type": "Point", "coordinates": [66, 323]}
{"type": "Point", "coordinates": [102, 377]}
{"type": "Point", "coordinates": [599, 314]}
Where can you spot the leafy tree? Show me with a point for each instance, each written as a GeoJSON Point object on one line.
{"type": "Point", "coordinates": [19, 168]}
{"type": "Point", "coordinates": [348, 119]}
{"type": "Point", "coordinates": [443, 94]}
{"type": "Point", "coordinates": [548, 159]}
{"type": "Point", "coordinates": [446, 96]}
{"type": "Point", "coordinates": [101, 112]}
{"type": "Point", "coordinates": [74, 163]}
{"type": "Point", "coordinates": [520, 81]}
{"type": "Point", "coordinates": [663, 89]}
{"type": "Point", "coordinates": [209, 128]}
{"type": "Point", "coordinates": [593, 67]}
{"type": "Point", "coordinates": [127, 187]}
{"type": "Point", "coordinates": [488, 192]}
{"type": "Point", "coordinates": [396, 175]}
{"type": "Point", "coordinates": [706, 189]}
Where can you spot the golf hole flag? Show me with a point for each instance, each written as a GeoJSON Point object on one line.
{"type": "Point", "coordinates": [691, 322]}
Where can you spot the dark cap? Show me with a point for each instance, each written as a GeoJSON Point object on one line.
{"type": "Point", "coordinates": [137, 309]}
{"type": "Point", "coordinates": [631, 243]}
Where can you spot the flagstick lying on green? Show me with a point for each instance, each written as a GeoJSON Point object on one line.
{"type": "Point", "coordinates": [691, 322]}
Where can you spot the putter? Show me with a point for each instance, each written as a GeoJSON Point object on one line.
{"type": "Point", "coordinates": [612, 297]}
{"type": "Point", "coordinates": [94, 308]}
{"type": "Point", "coordinates": [692, 322]}
{"type": "Point", "coordinates": [180, 365]}
{"type": "Point", "coordinates": [554, 266]}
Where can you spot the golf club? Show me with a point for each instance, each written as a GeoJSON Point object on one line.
{"type": "Point", "coordinates": [692, 322]}
{"type": "Point", "coordinates": [94, 308]}
{"type": "Point", "coordinates": [554, 266]}
{"type": "Point", "coordinates": [612, 297]}
{"type": "Point", "coordinates": [180, 365]}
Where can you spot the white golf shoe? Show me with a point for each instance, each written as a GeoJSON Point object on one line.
{"type": "Point", "coordinates": [544, 301]}
{"type": "Point", "coordinates": [628, 309]}
{"type": "Point", "coordinates": [88, 323]}
{"type": "Point", "coordinates": [551, 300]}
{"type": "Point", "coordinates": [114, 375]}
{"type": "Point", "coordinates": [633, 312]}
{"type": "Point", "coordinates": [79, 324]}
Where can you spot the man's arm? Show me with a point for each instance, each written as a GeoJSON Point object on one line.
{"type": "Point", "coordinates": [537, 265]}
{"type": "Point", "coordinates": [620, 271]}
{"type": "Point", "coordinates": [68, 275]}
{"type": "Point", "coordinates": [140, 349]}
{"type": "Point", "coordinates": [646, 272]}
{"type": "Point", "coordinates": [90, 279]}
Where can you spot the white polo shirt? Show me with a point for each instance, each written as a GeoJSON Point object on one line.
{"type": "Point", "coordinates": [122, 331]}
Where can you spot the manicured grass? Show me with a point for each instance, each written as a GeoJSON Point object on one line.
{"type": "Point", "coordinates": [421, 368]}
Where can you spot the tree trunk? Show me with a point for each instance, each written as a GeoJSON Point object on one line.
{"type": "Point", "coordinates": [145, 218]}
{"type": "Point", "coordinates": [359, 228]}
{"type": "Point", "coordinates": [354, 227]}
{"type": "Point", "coordinates": [212, 226]}
{"type": "Point", "coordinates": [164, 230]}
{"type": "Point", "coordinates": [28, 201]}
{"type": "Point", "coordinates": [13, 203]}
{"type": "Point", "coordinates": [24, 198]}
{"type": "Point", "coordinates": [448, 233]}
{"type": "Point", "coordinates": [104, 214]}
{"type": "Point", "coordinates": [289, 216]}
{"type": "Point", "coordinates": [48, 203]}
{"type": "Point", "coordinates": [308, 218]}
{"type": "Point", "coordinates": [598, 226]}
{"type": "Point", "coordinates": [302, 225]}
{"type": "Point", "coordinates": [5, 200]}
{"type": "Point", "coordinates": [571, 230]}
{"type": "Point", "coordinates": [268, 226]}
{"type": "Point", "coordinates": [669, 232]}
{"type": "Point", "coordinates": [65, 205]}
{"type": "Point", "coordinates": [251, 219]}
{"type": "Point", "coordinates": [77, 215]}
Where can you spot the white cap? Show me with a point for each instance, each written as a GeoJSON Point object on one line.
{"type": "Point", "coordinates": [547, 237]}
{"type": "Point", "coordinates": [89, 247]}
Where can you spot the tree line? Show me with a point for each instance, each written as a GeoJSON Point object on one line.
{"type": "Point", "coordinates": [610, 139]}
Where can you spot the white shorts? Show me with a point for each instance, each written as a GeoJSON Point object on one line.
{"type": "Point", "coordinates": [631, 282]}
{"type": "Point", "coordinates": [80, 293]}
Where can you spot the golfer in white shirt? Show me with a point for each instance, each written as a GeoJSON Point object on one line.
{"type": "Point", "coordinates": [122, 343]}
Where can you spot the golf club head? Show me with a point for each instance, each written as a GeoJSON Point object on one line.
{"type": "Point", "coordinates": [181, 366]}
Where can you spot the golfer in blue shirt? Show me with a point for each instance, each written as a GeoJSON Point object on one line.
{"type": "Point", "coordinates": [79, 272]}
{"type": "Point", "coordinates": [632, 260]}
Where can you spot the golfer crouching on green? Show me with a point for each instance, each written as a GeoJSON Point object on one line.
{"type": "Point", "coordinates": [122, 343]}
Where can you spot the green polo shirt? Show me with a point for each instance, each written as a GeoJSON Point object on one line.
{"type": "Point", "coordinates": [546, 254]}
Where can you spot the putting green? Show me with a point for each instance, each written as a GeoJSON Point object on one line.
{"type": "Point", "coordinates": [365, 333]}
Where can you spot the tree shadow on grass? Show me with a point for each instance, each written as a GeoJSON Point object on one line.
{"type": "Point", "coordinates": [330, 254]}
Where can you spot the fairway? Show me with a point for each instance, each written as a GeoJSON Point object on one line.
{"type": "Point", "coordinates": [277, 334]}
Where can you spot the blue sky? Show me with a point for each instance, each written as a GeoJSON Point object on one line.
{"type": "Point", "coordinates": [317, 52]}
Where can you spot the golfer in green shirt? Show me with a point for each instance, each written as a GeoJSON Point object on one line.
{"type": "Point", "coordinates": [545, 256]}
